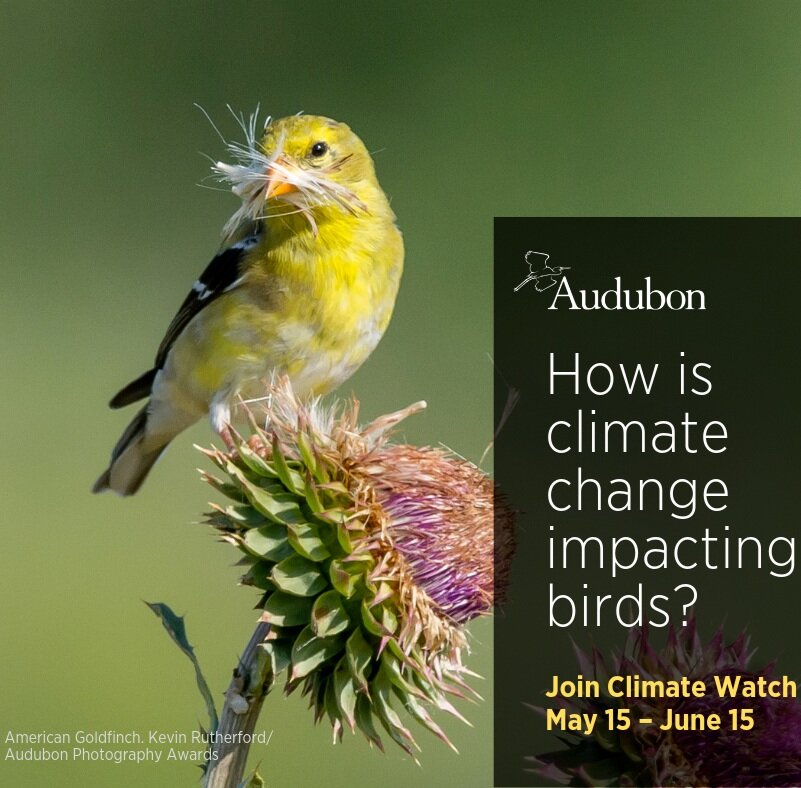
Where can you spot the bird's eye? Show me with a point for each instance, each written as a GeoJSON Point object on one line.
{"type": "Point", "coordinates": [319, 149]}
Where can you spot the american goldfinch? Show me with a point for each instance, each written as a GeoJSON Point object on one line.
{"type": "Point", "coordinates": [304, 284]}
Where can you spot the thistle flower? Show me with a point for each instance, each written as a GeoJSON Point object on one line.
{"type": "Point", "coordinates": [371, 556]}
{"type": "Point", "coordinates": [767, 755]}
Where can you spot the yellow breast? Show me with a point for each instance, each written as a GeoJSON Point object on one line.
{"type": "Point", "coordinates": [312, 305]}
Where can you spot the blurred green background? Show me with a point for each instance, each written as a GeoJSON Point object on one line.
{"type": "Point", "coordinates": [509, 108]}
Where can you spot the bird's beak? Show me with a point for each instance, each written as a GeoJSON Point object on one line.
{"type": "Point", "coordinates": [278, 184]}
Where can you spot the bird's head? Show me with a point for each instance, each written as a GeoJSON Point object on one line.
{"type": "Point", "coordinates": [303, 165]}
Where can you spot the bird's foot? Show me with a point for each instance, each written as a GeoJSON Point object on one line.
{"type": "Point", "coordinates": [228, 438]}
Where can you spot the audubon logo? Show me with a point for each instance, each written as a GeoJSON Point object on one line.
{"type": "Point", "coordinates": [617, 297]}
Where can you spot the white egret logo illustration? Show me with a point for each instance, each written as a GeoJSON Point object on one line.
{"type": "Point", "coordinates": [544, 277]}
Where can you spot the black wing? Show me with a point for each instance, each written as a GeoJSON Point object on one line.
{"type": "Point", "coordinates": [223, 273]}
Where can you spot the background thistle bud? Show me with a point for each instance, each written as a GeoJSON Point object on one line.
{"type": "Point", "coordinates": [371, 555]}
{"type": "Point", "coordinates": [767, 755]}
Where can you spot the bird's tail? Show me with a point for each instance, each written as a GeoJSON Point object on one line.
{"type": "Point", "coordinates": [131, 460]}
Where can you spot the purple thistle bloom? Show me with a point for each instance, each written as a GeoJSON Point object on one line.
{"type": "Point", "coordinates": [442, 518]}
{"type": "Point", "coordinates": [422, 529]}
{"type": "Point", "coordinates": [767, 755]}
{"type": "Point", "coordinates": [371, 557]}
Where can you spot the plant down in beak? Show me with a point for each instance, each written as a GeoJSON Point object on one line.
{"type": "Point", "coordinates": [271, 184]}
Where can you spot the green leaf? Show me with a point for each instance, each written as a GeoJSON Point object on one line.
{"type": "Point", "coordinates": [280, 653]}
{"type": "Point", "coordinates": [306, 452]}
{"type": "Point", "coordinates": [345, 576]}
{"type": "Point", "coordinates": [269, 541]}
{"type": "Point", "coordinates": [345, 692]}
{"type": "Point", "coordinates": [384, 591]}
{"type": "Point", "coordinates": [305, 539]}
{"type": "Point", "coordinates": [364, 721]}
{"type": "Point", "coordinates": [334, 514]}
{"type": "Point", "coordinates": [395, 648]}
{"type": "Point", "coordinates": [314, 687]}
{"type": "Point", "coordinates": [297, 575]}
{"type": "Point", "coordinates": [232, 491]}
{"type": "Point", "coordinates": [287, 610]}
{"type": "Point", "coordinates": [259, 576]}
{"type": "Point", "coordinates": [292, 480]}
{"type": "Point", "coordinates": [360, 654]}
{"type": "Point", "coordinates": [332, 709]}
{"type": "Point", "coordinates": [343, 537]}
{"type": "Point", "coordinates": [388, 619]}
{"type": "Point", "coordinates": [242, 475]}
{"type": "Point", "coordinates": [279, 507]}
{"type": "Point", "coordinates": [310, 459]}
{"type": "Point", "coordinates": [370, 622]}
{"type": "Point", "coordinates": [381, 693]}
{"type": "Point", "coordinates": [313, 495]}
{"type": "Point", "coordinates": [328, 617]}
{"type": "Point", "coordinates": [418, 711]}
{"type": "Point", "coordinates": [608, 739]}
{"type": "Point", "coordinates": [394, 669]}
{"type": "Point", "coordinates": [219, 519]}
{"type": "Point", "coordinates": [215, 455]}
{"type": "Point", "coordinates": [256, 463]}
{"type": "Point", "coordinates": [174, 625]}
{"type": "Point", "coordinates": [309, 652]}
{"type": "Point", "coordinates": [246, 516]}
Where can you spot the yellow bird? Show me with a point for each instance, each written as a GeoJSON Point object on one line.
{"type": "Point", "coordinates": [304, 284]}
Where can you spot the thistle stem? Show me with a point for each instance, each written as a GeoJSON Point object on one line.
{"type": "Point", "coordinates": [252, 680]}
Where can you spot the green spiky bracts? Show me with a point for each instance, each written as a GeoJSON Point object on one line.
{"type": "Point", "coordinates": [371, 556]}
